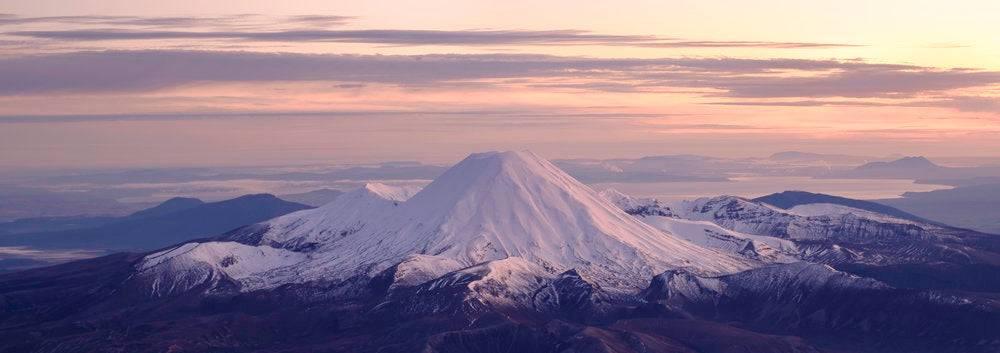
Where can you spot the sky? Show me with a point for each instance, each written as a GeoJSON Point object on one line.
{"type": "Point", "coordinates": [96, 84]}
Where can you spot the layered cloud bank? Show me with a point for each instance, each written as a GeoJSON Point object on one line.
{"type": "Point", "coordinates": [505, 87]}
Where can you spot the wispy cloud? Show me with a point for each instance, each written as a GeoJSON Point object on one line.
{"type": "Point", "coordinates": [418, 37]}
{"type": "Point", "coordinates": [728, 77]}
{"type": "Point", "coordinates": [315, 28]}
{"type": "Point", "coordinates": [135, 22]}
{"type": "Point", "coordinates": [534, 114]}
{"type": "Point", "coordinates": [961, 103]}
{"type": "Point", "coordinates": [861, 83]}
{"type": "Point", "coordinates": [970, 103]}
{"type": "Point", "coordinates": [804, 103]}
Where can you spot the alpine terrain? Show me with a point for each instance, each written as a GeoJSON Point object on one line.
{"type": "Point", "coordinates": [505, 252]}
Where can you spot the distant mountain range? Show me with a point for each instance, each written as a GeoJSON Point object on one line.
{"type": "Point", "coordinates": [175, 220]}
{"type": "Point", "coordinates": [919, 168]}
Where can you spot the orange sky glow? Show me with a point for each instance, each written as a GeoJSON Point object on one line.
{"type": "Point", "coordinates": [98, 83]}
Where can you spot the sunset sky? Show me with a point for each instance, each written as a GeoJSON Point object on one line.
{"type": "Point", "coordinates": [151, 83]}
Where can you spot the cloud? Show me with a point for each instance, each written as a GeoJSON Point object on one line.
{"type": "Point", "coordinates": [147, 70]}
{"type": "Point", "coordinates": [313, 28]}
{"type": "Point", "coordinates": [745, 44]}
{"type": "Point", "coordinates": [414, 37]}
{"type": "Point", "coordinates": [320, 20]}
{"type": "Point", "coordinates": [864, 83]}
{"type": "Point", "coordinates": [375, 36]}
{"type": "Point", "coordinates": [708, 127]}
{"type": "Point", "coordinates": [534, 113]}
{"type": "Point", "coordinates": [803, 103]}
{"type": "Point", "coordinates": [187, 22]}
{"type": "Point", "coordinates": [961, 103]}
{"type": "Point", "coordinates": [973, 103]}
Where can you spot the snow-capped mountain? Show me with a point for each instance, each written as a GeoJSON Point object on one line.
{"type": "Point", "coordinates": [505, 252]}
{"type": "Point", "coordinates": [759, 248]}
{"type": "Point", "coordinates": [819, 232]}
{"type": "Point", "coordinates": [512, 207]}
{"type": "Point", "coordinates": [808, 222]}
{"type": "Point", "coordinates": [347, 214]}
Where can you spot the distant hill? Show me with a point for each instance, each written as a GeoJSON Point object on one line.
{"type": "Point", "coordinates": [972, 206]}
{"type": "Point", "coordinates": [788, 199]}
{"type": "Point", "coordinates": [171, 222]}
{"type": "Point", "coordinates": [907, 163]}
{"type": "Point", "coordinates": [918, 168]}
{"type": "Point", "coordinates": [914, 168]}
{"type": "Point", "coordinates": [313, 198]}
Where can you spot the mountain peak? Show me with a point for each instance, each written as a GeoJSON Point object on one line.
{"type": "Point", "coordinates": [509, 156]}
{"type": "Point", "coordinates": [913, 162]}
{"type": "Point", "coordinates": [497, 205]}
{"type": "Point", "coordinates": [917, 161]}
{"type": "Point", "coordinates": [491, 171]}
{"type": "Point", "coordinates": [495, 163]}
